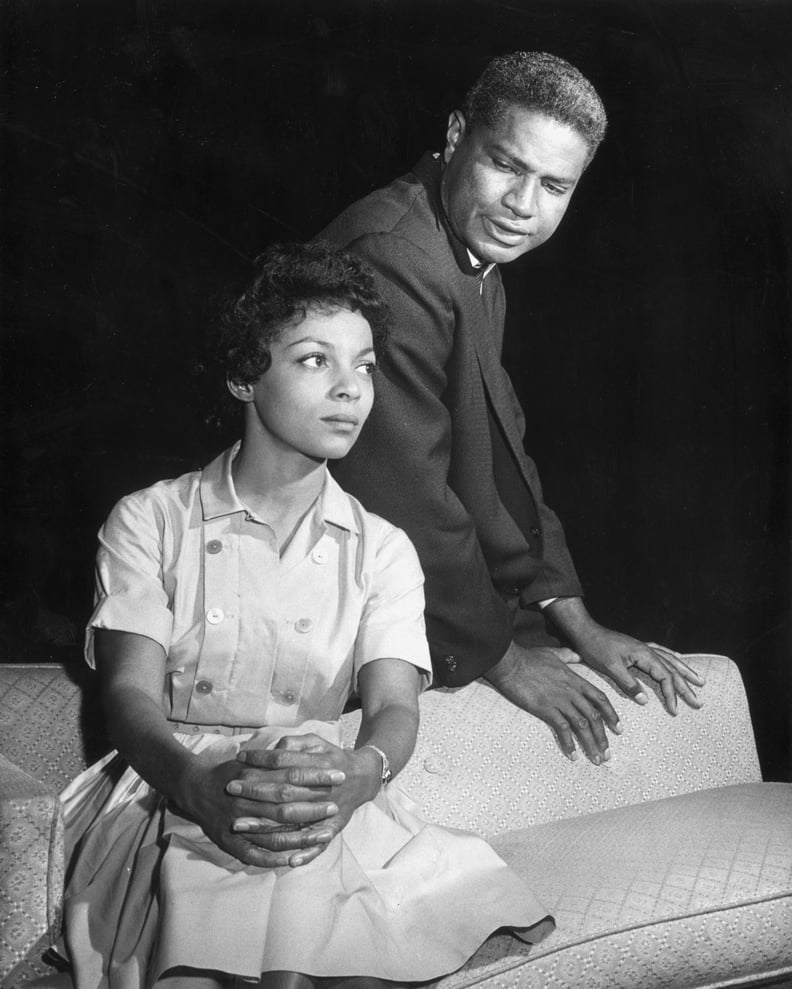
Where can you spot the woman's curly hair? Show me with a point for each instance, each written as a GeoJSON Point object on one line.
{"type": "Point", "coordinates": [292, 280]}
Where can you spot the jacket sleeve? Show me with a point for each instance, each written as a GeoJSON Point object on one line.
{"type": "Point", "coordinates": [399, 467]}
{"type": "Point", "coordinates": [558, 577]}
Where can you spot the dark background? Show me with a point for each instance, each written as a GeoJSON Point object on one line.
{"type": "Point", "coordinates": [150, 149]}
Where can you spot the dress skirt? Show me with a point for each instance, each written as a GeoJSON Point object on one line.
{"type": "Point", "coordinates": [392, 897]}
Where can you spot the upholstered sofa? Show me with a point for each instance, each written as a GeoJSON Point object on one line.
{"type": "Point", "coordinates": [670, 866]}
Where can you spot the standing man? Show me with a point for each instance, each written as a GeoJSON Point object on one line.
{"type": "Point", "coordinates": [442, 453]}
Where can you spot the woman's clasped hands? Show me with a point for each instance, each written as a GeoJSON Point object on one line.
{"type": "Point", "coordinates": [282, 806]}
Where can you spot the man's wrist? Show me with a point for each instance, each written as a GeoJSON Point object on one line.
{"type": "Point", "coordinates": [570, 617]}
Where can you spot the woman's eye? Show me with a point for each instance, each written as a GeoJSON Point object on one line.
{"type": "Point", "coordinates": [368, 368]}
{"type": "Point", "coordinates": [314, 360]}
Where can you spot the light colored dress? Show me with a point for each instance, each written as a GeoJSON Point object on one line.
{"type": "Point", "coordinates": [260, 645]}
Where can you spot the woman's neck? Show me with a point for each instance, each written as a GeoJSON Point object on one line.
{"type": "Point", "coordinates": [277, 490]}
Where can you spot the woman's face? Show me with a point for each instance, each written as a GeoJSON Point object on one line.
{"type": "Point", "coordinates": [318, 390]}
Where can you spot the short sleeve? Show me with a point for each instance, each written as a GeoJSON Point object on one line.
{"type": "Point", "coordinates": [129, 594]}
{"type": "Point", "coordinates": [392, 625]}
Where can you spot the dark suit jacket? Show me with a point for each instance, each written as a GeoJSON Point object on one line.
{"type": "Point", "coordinates": [441, 455]}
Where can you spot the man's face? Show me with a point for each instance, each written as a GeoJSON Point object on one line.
{"type": "Point", "coordinates": [507, 187]}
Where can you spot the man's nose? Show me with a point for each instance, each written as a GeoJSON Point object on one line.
{"type": "Point", "coordinates": [521, 196]}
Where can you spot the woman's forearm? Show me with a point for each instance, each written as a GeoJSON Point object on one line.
{"type": "Point", "coordinates": [393, 729]}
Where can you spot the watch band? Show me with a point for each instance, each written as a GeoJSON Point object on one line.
{"type": "Point", "coordinates": [387, 775]}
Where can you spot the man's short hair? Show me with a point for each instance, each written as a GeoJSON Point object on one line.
{"type": "Point", "coordinates": [290, 282]}
{"type": "Point", "coordinates": [542, 83]}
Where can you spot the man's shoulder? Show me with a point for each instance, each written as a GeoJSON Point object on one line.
{"type": "Point", "coordinates": [403, 209]}
{"type": "Point", "coordinates": [375, 531]}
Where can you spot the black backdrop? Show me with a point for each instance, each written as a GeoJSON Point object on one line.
{"type": "Point", "coordinates": [151, 148]}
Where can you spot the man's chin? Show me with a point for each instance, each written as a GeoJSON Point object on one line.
{"type": "Point", "coordinates": [494, 253]}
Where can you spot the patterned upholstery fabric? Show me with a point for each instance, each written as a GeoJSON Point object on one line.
{"type": "Point", "coordinates": [637, 887]}
{"type": "Point", "coordinates": [31, 862]}
{"type": "Point", "coordinates": [50, 724]}
{"type": "Point", "coordinates": [484, 765]}
{"type": "Point", "coordinates": [690, 891]}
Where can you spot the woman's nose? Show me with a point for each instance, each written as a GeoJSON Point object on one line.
{"type": "Point", "coordinates": [347, 385]}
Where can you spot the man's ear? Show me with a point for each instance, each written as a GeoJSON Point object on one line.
{"type": "Point", "coordinates": [454, 133]}
{"type": "Point", "coordinates": [244, 393]}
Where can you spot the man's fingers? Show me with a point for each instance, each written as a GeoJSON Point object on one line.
{"type": "Point", "coordinates": [592, 696]}
{"type": "Point", "coordinates": [587, 727]}
{"type": "Point", "coordinates": [621, 676]}
{"type": "Point", "coordinates": [684, 690]}
{"type": "Point", "coordinates": [682, 669]}
{"type": "Point", "coordinates": [584, 718]}
{"type": "Point", "coordinates": [672, 676]}
{"type": "Point", "coordinates": [563, 734]}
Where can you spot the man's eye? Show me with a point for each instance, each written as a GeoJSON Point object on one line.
{"type": "Point", "coordinates": [555, 190]}
{"type": "Point", "coordinates": [504, 166]}
{"type": "Point", "coordinates": [314, 360]}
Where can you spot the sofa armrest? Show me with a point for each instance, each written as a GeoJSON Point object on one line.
{"type": "Point", "coordinates": [31, 863]}
{"type": "Point", "coordinates": [51, 724]}
{"type": "Point", "coordinates": [484, 765]}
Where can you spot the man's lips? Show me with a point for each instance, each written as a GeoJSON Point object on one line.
{"type": "Point", "coordinates": [503, 232]}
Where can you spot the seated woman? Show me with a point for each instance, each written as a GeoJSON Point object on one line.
{"type": "Point", "coordinates": [231, 836]}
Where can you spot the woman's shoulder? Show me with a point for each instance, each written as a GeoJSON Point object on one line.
{"type": "Point", "coordinates": [162, 498]}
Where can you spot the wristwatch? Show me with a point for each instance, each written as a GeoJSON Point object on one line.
{"type": "Point", "coordinates": [387, 775]}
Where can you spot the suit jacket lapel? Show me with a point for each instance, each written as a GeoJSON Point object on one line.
{"type": "Point", "coordinates": [484, 304]}
{"type": "Point", "coordinates": [487, 335]}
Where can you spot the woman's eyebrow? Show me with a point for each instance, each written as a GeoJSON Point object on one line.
{"type": "Point", "coordinates": [315, 342]}
{"type": "Point", "coordinates": [311, 340]}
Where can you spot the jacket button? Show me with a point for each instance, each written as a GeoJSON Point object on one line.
{"type": "Point", "coordinates": [535, 532]}
{"type": "Point", "coordinates": [450, 662]}
{"type": "Point", "coordinates": [214, 616]}
{"type": "Point", "coordinates": [214, 546]}
{"type": "Point", "coordinates": [303, 625]}
{"type": "Point", "coordinates": [203, 687]}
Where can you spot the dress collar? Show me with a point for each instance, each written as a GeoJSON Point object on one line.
{"type": "Point", "coordinates": [219, 497]}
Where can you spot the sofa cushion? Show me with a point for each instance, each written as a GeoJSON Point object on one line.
{"type": "Point", "coordinates": [695, 890]}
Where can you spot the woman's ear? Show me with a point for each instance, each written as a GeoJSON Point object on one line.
{"type": "Point", "coordinates": [240, 391]}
